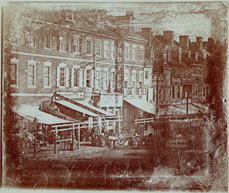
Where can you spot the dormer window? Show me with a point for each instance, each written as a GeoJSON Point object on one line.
{"type": "Point", "coordinates": [69, 16]}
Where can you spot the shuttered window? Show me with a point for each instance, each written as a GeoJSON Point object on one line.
{"type": "Point", "coordinates": [105, 80]}
{"type": "Point", "coordinates": [134, 53]}
{"type": "Point", "coordinates": [31, 74]}
{"type": "Point", "coordinates": [98, 79]}
{"type": "Point", "coordinates": [48, 39]}
{"type": "Point", "coordinates": [106, 49]}
{"type": "Point", "coordinates": [88, 78]}
{"type": "Point", "coordinates": [142, 53]}
{"type": "Point", "coordinates": [75, 76]}
{"type": "Point", "coordinates": [112, 50]}
{"type": "Point", "coordinates": [31, 38]}
{"type": "Point", "coordinates": [89, 47]}
{"type": "Point", "coordinates": [47, 75]}
{"type": "Point", "coordinates": [75, 44]}
{"type": "Point", "coordinates": [14, 72]}
{"type": "Point", "coordinates": [112, 80]}
{"type": "Point", "coordinates": [62, 77]}
{"type": "Point", "coordinates": [98, 45]}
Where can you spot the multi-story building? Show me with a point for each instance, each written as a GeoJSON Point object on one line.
{"type": "Point", "coordinates": [105, 61]}
{"type": "Point", "coordinates": [59, 51]}
{"type": "Point", "coordinates": [182, 72]}
{"type": "Point", "coordinates": [70, 54]}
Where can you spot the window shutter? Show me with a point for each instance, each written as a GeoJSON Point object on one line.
{"type": "Point", "coordinates": [67, 42]}
{"type": "Point", "coordinates": [72, 79]}
{"type": "Point", "coordinates": [57, 43]}
{"type": "Point", "coordinates": [67, 77]}
{"type": "Point", "coordinates": [58, 77]}
{"type": "Point", "coordinates": [84, 46]}
{"type": "Point", "coordinates": [84, 78]}
{"type": "Point", "coordinates": [81, 78]}
{"type": "Point", "coordinates": [92, 78]}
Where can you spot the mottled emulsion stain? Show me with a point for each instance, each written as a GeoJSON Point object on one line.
{"type": "Point", "coordinates": [179, 152]}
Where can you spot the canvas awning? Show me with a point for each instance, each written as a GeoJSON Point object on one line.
{"type": "Point", "coordinates": [31, 112]}
{"type": "Point", "coordinates": [76, 108]}
{"type": "Point", "coordinates": [107, 114]}
{"type": "Point", "coordinates": [142, 105]}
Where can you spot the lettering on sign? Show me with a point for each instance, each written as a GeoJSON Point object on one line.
{"type": "Point", "coordinates": [72, 94]}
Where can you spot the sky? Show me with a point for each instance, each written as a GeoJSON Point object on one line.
{"type": "Point", "coordinates": [182, 18]}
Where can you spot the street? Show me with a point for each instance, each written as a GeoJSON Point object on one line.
{"type": "Point", "coordinates": [91, 167]}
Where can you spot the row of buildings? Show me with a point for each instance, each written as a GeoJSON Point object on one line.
{"type": "Point", "coordinates": [104, 60]}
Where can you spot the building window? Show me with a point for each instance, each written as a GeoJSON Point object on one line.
{"type": "Point", "coordinates": [133, 77]}
{"type": "Point", "coordinates": [154, 94]}
{"type": "Point", "coordinates": [62, 77]}
{"type": "Point", "coordinates": [47, 75]}
{"type": "Point", "coordinates": [98, 45]}
{"type": "Point", "coordinates": [98, 79]}
{"type": "Point", "coordinates": [146, 75]}
{"type": "Point", "coordinates": [126, 75]}
{"type": "Point", "coordinates": [140, 76]}
{"type": "Point", "coordinates": [105, 80]}
{"type": "Point", "coordinates": [69, 16]}
{"type": "Point", "coordinates": [13, 71]}
{"type": "Point", "coordinates": [75, 45]}
{"type": "Point", "coordinates": [134, 52]}
{"type": "Point", "coordinates": [75, 77]}
{"type": "Point", "coordinates": [31, 74]}
{"type": "Point", "coordinates": [112, 50]}
{"type": "Point", "coordinates": [48, 38]}
{"type": "Point", "coordinates": [89, 47]}
{"type": "Point", "coordinates": [178, 92]}
{"type": "Point", "coordinates": [88, 78]}
{"type": "Point", "coordinates": [63, 43]}
{"type": "Point", "coordinates": [112, 80]}
{"type": "Point", "coordinates": [31, 38]}
{"type": "Point", "coordinates": [127, 51]}
{"type": "Point", "coordinates": [173, 92]}
{"type": "Point", "coordinates": [141, 54]}
{"type": "Point", "coordinates": [106, 49]}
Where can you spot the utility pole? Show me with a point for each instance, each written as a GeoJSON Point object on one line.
{"type": "Point", "coordinates": [34, 137]}
{"type": "Point", "coordinates": [93, 91]}
{"type": "Point", "coordinates": [157, 95]}
{"type": "Point", "coordinates": [187, 102]}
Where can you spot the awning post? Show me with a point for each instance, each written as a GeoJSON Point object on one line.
{"type": "Point", "coordinates": [73, 137]}
{"type": "Point", "coordinates": [55, 141]}
{"type": "Point", "coordinates": [78, 136]}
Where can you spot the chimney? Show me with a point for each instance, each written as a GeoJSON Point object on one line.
{"type": "Point", "coordinates": [199, 41]}
{"type": "Point", "coordinates": [147, 33]}
{"type": "Point", "coordinates": [210, 44]}
{"type": "Point", "coordinates": [168, 36]}
{"type": "Point", "coordinates": [184, 42]}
